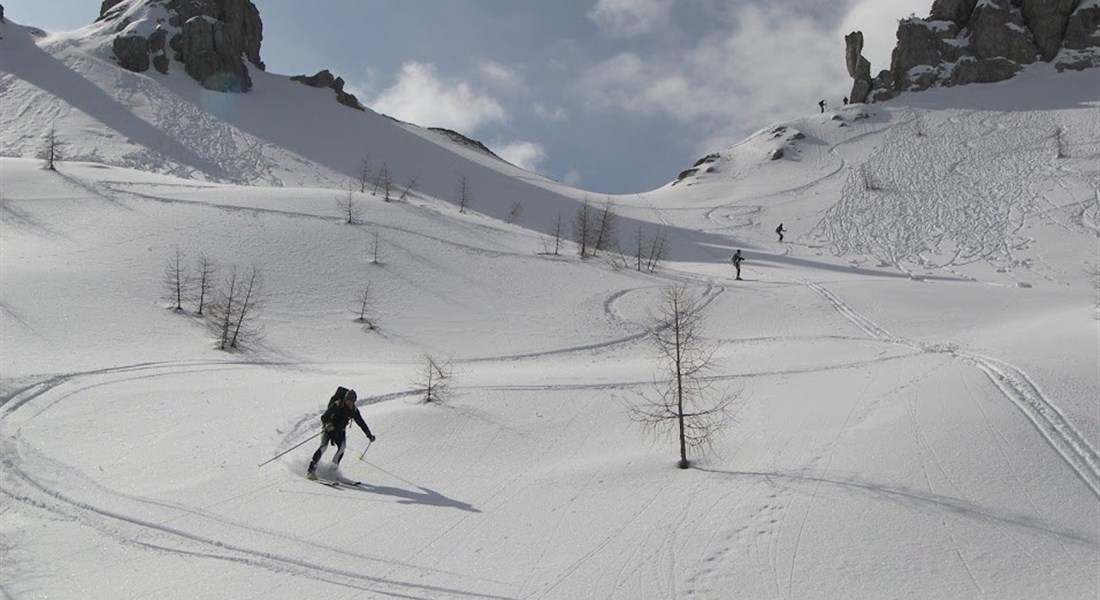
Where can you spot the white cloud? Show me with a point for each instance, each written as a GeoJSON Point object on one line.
{"type": "Point", "coordinates": [500, 75]}
{"type": "Point", "coordinates": [526, 155]}
{"type": "Point", "coordinates": [552, 114]}
{"type": "Point", "coordinates": [771, 62]}
{"type": "Point", "coordinates": [626, 18]}
{"type": "Point", "coordinates": [420, 97]}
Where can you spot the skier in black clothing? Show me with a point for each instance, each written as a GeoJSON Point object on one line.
{"type": "Point", "coordinates": [341, 410]}
{"type": "Point", "coordinates": [821, 105]}
{"type": "Point", "coordinates": [736, 260]}
{"type": "Point", "coordinates": [780, 231]}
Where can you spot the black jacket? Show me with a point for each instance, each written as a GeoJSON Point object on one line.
{"type": "Point", "coordinates": [338, 414]}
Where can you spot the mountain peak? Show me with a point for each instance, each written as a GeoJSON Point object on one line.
{"type": "Point", "coordinates": [214, 39]}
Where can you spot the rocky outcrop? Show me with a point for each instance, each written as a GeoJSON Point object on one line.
{"type": "Point", "coordinates": [325, 79]}
{"type": "Point", "coordinates": [216, 40]}
{"type": "Point", "coordinates": [1083, 27]}
{"type": "Point", "coordinates": [859, 68]}
{"type": "Point", "coordinates": [132, 52]}
{"type": "Point", "coordinates": [956, 11]}
{"type": "Point", "coordinates": [979, 41]}
{"type": "Point", "coordinates": [1047, 21]}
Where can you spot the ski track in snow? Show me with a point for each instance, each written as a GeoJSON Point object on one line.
{"type": "Point", "coordinates": [21, 461]}
{"type": "Point", "coordinates": [120, 524]}
{"type": "Point", "coordinates": [1012, 382]}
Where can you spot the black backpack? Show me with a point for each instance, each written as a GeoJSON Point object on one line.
{"type": "Point", "coordinates": [338, 396]}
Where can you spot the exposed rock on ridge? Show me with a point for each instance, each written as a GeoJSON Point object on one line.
{"type": "Point", "coordinates": [212, 38]}
{"type": "Point", "coordinates": [326, 79]}
{"type": "Point", "coordinates": [979, 41]}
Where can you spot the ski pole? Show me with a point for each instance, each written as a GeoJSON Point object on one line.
{"type": "Point", "coordinates": [291, 448]}
{"type": "Point", "coordinates": [369, 442]}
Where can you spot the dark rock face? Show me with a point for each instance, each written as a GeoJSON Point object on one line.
{"type": "Point", "coordinates": [1048, 20]}
{"type": "Point", "coordinates": [208, 51]}
{"type": "Point", "coordinates": [1082, 28]}
{"type": "Point", "coordinates": [999, 30]}
{"type": "Point", "coordinates": [2, 14]}
{"type": "Point", "coordinates": [967, 41]}
{"type": "Point", "coordinates": [212, 38]}
{"type": "Point", "coordinates": [238, 22]}
{"type": "Point", "coordinates": [957, 11]}
{"type": "Point", "coordinates": [325, 79]}
{"type": "Point", "coordinates": [106, 7]}
{"type": "Point", "coordinates": [132, 52]}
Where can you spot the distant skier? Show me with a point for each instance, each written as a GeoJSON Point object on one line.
{"type": "Point", "coordinates": [780, 231]}
{"type": "Point", "coordinates": [736, 260]}
{"type": "Point", "coordinates": [821, 105]}
{"type": "Point", "coordinates": [341, 410]}
{"type": "Point", "coordinates": [845, 101]}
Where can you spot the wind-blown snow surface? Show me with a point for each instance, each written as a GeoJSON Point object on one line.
{"type": "Point", "coordinates": [917, 364]}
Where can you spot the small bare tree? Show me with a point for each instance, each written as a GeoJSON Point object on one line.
{"type": "Point", "coordinates": [552, 245]}
{"type": "Point", "coordinates": [364, 174]}
{"type": "Point", "coordinates": [515, 212]}
{"type": "Point", "coordinates": [375, 244]}
{"type": "Point", "coordinates": [559, 234]}
{"type": "Point", "coordinates": [349, 206]}
{"type": "Point", "coordinates": [434, 380]}
{"type": "Point", "coordinates": [686, 405]}
{"type": "Point", "coordinates": [658, 249]}
{"type": "Point", "coordinates": [584, 228]}
{"type": "Point", "coordinates": [53, 149]}
{"type": "Point", "coordinates": [245, 329]}
{"type": "Point", "coordinates": [383, 182]}
{"type": "Point", "coordinates": [222, 309]}
{"type": "Point", "coordinates": [410, 187]}
{"type": "Point", "coordinates": [205, 273]}
{"type": "Point", "coordinates": [176, 280]}
{"type": "Point", "coordinates": [1059, 143]}
{"type": "Point", "coordinates": [363, 303]}
{"type": "Point", "coordinates": [463, 197]}
{"type": "Point", "coordinates": [606, 236]}
{"type": "Point", "coordinates": [235, 310]}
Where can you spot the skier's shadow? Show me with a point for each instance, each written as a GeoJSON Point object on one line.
{"type": "Point", "coordinates": [424, 496]}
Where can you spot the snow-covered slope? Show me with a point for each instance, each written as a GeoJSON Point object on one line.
{"type": "Point", "coordinates": [916, 364]}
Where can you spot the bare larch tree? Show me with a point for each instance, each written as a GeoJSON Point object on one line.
{"type": "Point", "coordinates": [205, 270]}
{"type": "Point", "coordinates": [383, 182]}
{"type": "Point", "coordinates": [235, 309]}
{"type": "Point", "coordinates": [349, 206]}
{"type": "Point", "coordinates": [434, 380]}
{"type": "Point", "coordinates": [606, 237]}
{"type": "Point", "coordinates": [463, 197]}
{"type": "Point", "coordinates": [363, 302]}
{"type": "Point", "coordinates": [53, 149]}
{"type": "Point", "coordinates": [176, 281]}
{"type": "Point", "coordinates": [686, 404]}
{"type": "Point", "coordinates": [584, 228]}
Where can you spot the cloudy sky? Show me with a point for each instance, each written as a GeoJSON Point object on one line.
{"type": "Point", "coordinates": [612, 96]}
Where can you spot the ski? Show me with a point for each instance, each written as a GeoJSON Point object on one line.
{"type": "Point", "coordinates": [335, 482]}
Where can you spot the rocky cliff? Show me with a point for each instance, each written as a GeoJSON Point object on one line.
{"type": "Point", "coordinates": [979, 41]}
{"type": "Point", "coordinates": [215, 40]}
